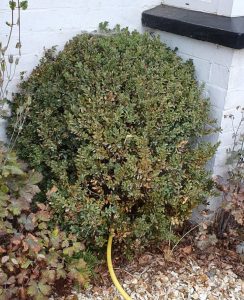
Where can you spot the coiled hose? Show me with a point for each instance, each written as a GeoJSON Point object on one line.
{"type": "Point", "coordinates": [111, 270]}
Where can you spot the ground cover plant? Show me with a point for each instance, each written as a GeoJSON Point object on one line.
{"type": "Point", "coordinates": [34, 256]}
{"type": "Point", "coordinates": [115, 126]}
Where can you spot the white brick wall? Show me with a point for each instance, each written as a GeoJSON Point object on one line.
{"type": "Point", "coordinates": [237, 8]}
{"type": "Point", "coordinates": [228, 8]}
{"type": "Point", "coordinates": [46, 23]}
{"type": "Point", "coordinates": [220, 7]}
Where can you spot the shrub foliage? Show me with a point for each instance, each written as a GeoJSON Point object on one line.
{"type": "Point", "coordinates": [114, 127]}
{"type": "Point", "coordinates": [33, 257]}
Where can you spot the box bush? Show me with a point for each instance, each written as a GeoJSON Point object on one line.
{"type": "Point", "coordinates": [114, 126]}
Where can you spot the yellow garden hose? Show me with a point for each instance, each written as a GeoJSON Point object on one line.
{"type": "Point", "coordinates": [111, 270]}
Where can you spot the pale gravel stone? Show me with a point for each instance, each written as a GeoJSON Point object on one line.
{"type": "Point", "coordinates": [187, 283]}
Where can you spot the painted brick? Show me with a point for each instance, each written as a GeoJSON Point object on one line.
{"type": "Point", "coordinates": [236, 78]}
{"type": "Point", "coordinates": [222, 55]}
{"type": "Point", "coordinates": [220, 159]}
{"type": "Point", "coordinates": [219, 75]}
{"type": "Point", "coordinates": [214, 53]}
{"type": "Point", "coordinates": [202, 66]}
{"type": "Point", "coordinates": [200, 5]}
{"type": "Point", "coordinates": [238, 58]}
{"type": "Point", "coordinates": [225, 8]}
{"type": "Point", "coordinates": [226, 139]}
{"type": "Point", "coordinates": [216, 94]}
{"type": "Point", "coordinates": [234, 98]}
{"type": "Point", "coordinates": [219, 7]}
{"type": "Point", "coordinates": [238, 8]}
{"type": "Point", "coordinates": [188, 46]}
{"type": "Point", "coordinates": [216, 114]}
{"type": "Point", "coordinates": [58, 19]}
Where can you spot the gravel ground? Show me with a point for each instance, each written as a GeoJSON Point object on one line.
{"type": "Point", "coordinates": [152, 277]}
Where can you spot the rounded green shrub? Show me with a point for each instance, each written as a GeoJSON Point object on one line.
{"type": "Point", "coordinates": [115, 126]}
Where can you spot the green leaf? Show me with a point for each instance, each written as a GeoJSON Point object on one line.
{"type": "Point", "coordinates": [53, 259]}
{"type": "Point", "coordinates": [31, 242]}
{"type": "Point", "coordinates": [14, 170]}
{"type": "Point", "coordinates": [28, 221]}
{"type": "Point", "coordinates": [43, 215]}
{"type": "Point", "coordinates": [65, 243]}
{"type": "Point", "coordinates": [19, 205]}
{"type": "Point", "coordinates": [35, 178]}
{"type": "Point", "coordinates": [12, 4]}
{"type": "Point", "coordinates": [44, 288]}
{"type": "Point", "coordinates": [42, 225]}
{"type": "Point", "coordinates": [61, 273]}
{"type": "Point", "coordinates": [78, 246]}
{"type": "Point", "coordinates": [26, 264]}
{"type": "Point", "coordinates": [39, 291]}
{"type": "Point", "coordinates": [49, 276]}
{"type": "Point", "coordinates": [69, 251]}
{"type": "Point", "coordinates": [4, 189]}
{"type": "Point", "coordinates": [24, 5]}
{"type": "Point", "coordinates": [33, 288]}
{"type": "Point", "coordinates": [29, 191]}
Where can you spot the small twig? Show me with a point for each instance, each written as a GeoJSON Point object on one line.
{"type": "Point", "coordinates": [11, 28]}
{"type": "Point", "coordinates": [183, 237]}
{"type": "Point", "coordinates": [146, 269]}
{"type": "Point", "coordinates": [126, 272]}
{"type": "Point", "coordinates": [19, 35]}
{"type": "Point", "coordinates": [170, 229]}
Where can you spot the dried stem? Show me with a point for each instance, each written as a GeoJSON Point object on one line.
{"type": "Point", "coordinates": [184, 236]}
